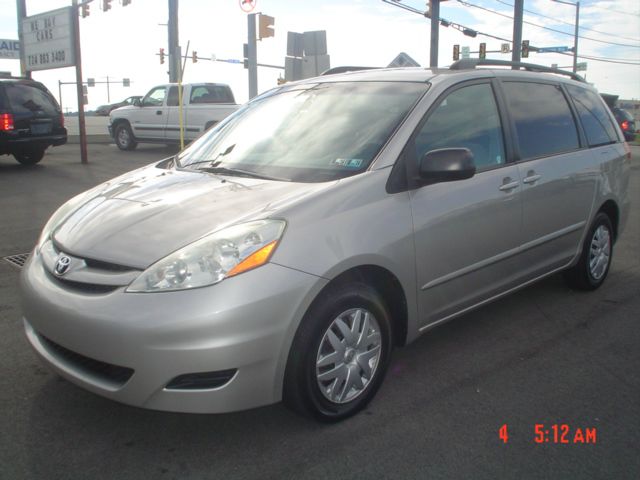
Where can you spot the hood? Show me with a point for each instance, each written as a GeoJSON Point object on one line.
{"type": "Point", "coordinates": [141, 217]}
{"type": "Point", "coordinates": [123, 108]}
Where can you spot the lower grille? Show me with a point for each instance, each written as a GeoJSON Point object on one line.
{"type": "Point", "coordinates": [201, 380]}
{"type": "Point", "coordinates": [86, 287]}
{"type": "Point", "coordinates": [106, 372]}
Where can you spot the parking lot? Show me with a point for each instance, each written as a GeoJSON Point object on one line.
{"type": "Point", "coordinates": [545, 355]}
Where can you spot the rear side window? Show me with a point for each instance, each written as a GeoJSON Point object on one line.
{"type": "Point", "coordinates": [211, 94]}
{"type": "Point", "coordinates": [28, 99]}
{"type": "Point", "coordinates": [543, 120]}
{"type": "Point", "coordinates": [594, 117]}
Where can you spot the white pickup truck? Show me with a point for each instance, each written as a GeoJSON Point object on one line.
{"type": "Point", "coordinates": [156, 118]}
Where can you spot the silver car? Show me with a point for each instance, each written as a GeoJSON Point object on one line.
{"type": "Point", "coordinates": [284, 254]}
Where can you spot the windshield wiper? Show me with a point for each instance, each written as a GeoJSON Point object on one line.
{"type": "Point", "coordinates": [213, 161]}
{"type": "Point", "coordinates": [241, 173]}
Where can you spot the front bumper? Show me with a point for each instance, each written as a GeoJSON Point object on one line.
{"type": "Point", "coordinates": [245, 323]}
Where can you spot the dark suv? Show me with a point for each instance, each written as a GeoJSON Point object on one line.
{"type": "Point", "coordinates": [30, 120]}
{"type": "Point", "coordinates": [627, 123]}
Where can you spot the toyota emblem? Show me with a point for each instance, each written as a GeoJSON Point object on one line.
{"type": "Point", "coordinates": [62, 265]}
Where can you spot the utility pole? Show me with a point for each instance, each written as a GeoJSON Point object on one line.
{"type": "Point", "coordinates": [174, 42]}
{"type": "Point", "coordinates": [518, 9]}
{"type": "Point", "coordinates": [435, 25]}
{"type": "Point", "coordinates": [84, 157]}
{"type": "Point", "coordinates": [575, 35]}
{"type": "Point", "coordinates": [575, 39]}
{"type": "Point", "coordinates": [21, 9]}
{"type": "Point", "coordinates": [252, 55]}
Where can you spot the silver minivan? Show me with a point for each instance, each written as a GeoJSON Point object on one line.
{"type": "Point", "coordinates": [285, 253]}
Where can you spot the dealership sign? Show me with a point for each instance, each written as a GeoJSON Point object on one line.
{"type": "Point", "coordinates": [48, 40]}
{"type": "Point", "coordinates": [9, 49]}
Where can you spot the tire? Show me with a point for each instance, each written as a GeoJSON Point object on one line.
{"type": "Point", "coordinates": [124, 137]}
{"type": "Point", "coordinates": [593, 266]}
{"type": "Point", "coordinates": [331, 372]}
{"type": "Point", "coordinates": [29, 157]}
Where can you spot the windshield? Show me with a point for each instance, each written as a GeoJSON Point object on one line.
{"type": "Point", "coordinates": [308, 133]}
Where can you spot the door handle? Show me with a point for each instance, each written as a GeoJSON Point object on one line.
{"type": "Point", "coordinates": [532, 178]}
{"type": "Point", "coordinates": [158, 112]}
{"type": "Point", "coordinates": [508, 185]}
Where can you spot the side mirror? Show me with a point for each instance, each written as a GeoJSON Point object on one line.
{"type": "Point", "coordinates": [447, 165]}
{"type": "Point", "coordinates": [137, 102]}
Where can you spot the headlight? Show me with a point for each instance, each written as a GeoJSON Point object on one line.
{"type": "Point", "coordinates": [213, 258]}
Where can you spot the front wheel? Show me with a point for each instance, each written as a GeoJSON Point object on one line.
{"type": "Point", "coordinates": [593, 266]}
{"type": "Point", "coordinates": [29, 157]}
{"type": "Point", "coordinates": [124, 137]}
{"type": "Point", "coordinates": [340, 354]}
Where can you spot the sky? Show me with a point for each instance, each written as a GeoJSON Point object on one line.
{"type": "Point", "coordinates": [124, 41]}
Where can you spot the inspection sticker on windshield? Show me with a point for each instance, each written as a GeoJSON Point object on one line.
{"type": "Point", "coordinates": [347, 162]}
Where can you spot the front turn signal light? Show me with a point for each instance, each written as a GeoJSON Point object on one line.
{"type": "Point", "coordinates": [254, 260]}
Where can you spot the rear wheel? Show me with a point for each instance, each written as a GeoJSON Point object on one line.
{"type": "Point", "coordinates": [29, 157]}
{"type": "Point", "coordinates": [592, 268]}
{"type": "Point", "coordinates": [124, 137]}
{"type": "Point", "coordinates": [340, 354]}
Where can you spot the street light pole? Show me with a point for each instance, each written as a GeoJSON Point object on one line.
{"type": "Point", "coordinates": [174, 42]}
{"type": "Point", "coordinates": [21, 8]}
{"type": "Point", "coordinates": [518, 9]}
{"type": "Point", "coordinates": [575, 35]}
{"type": "Point", "coordinates": [575, 39]}
{"type": "Point", "coordinates": [435, 25]}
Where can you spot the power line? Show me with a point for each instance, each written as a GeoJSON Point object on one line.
{"type": "Point", "coordinates": [621, 61]}
{"type": "Point", "coordinates": [465, 3]}
{"type": "Point", "coordinates": [611, 10]}
{"type": "Point", "coordinates": [443, 21]}
{"type": "Point", "coordinates": [397, 3]}
{"type": "Point", "coordinates": [571, 24]}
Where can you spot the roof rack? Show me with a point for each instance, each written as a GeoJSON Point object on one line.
{"type": "Point", "coordinates": [471, 63]}
{"type": "Point", "coordinates": [335, 70]}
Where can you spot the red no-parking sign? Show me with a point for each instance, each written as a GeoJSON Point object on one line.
{"type": "Point", "coordinates": [247, 5]}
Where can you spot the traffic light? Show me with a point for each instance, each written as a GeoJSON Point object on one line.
{"type": "Point", "coordinates": [483, 50]}
{"type": "Point", "coordinates": [85, 10]}
{"type": "Point", "coordinates": [525, 49]}
{"type": "Point", "coordinates": [266, 26]}
{"type": "Point", "coordinates": [428, 12]}
{"type": "Point", "coordinates": [456, 52]}
{"type": "Point", "coordinates": [106, 5]}
{"type": "Point", "coordinates": [162, 55]}
{"type": "Point", "coordinates": [194, 57]}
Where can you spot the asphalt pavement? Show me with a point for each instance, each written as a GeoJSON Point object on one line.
{"type": "Point", "coordinates": [544, 355]}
